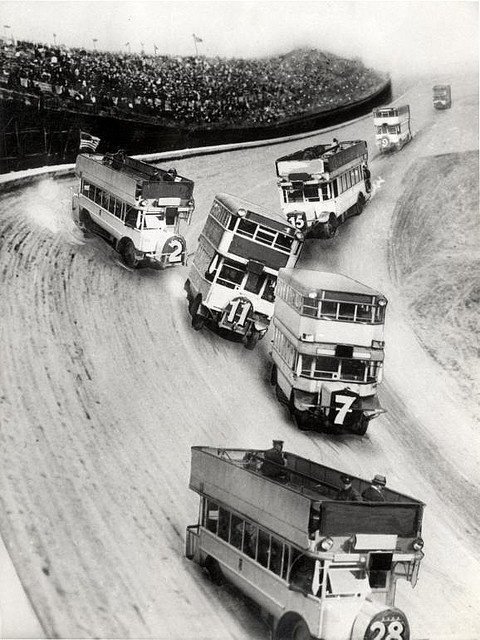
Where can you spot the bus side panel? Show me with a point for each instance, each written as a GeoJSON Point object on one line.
{"type": "Point", "coordinates": [252, 495]}
{"type": "Point", "coordinates": [264, 587]}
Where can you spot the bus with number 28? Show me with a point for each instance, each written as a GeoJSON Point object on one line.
{"type": "Point", "coordinates": [317, 567]}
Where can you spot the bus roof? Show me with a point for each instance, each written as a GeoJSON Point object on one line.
{"type": "Point", "coordinates": [234, 203]}
{"type": "Point", "coordinates": [307, 281]}
{"type": "Point", "coordinates": [228, 476]}
{"type": "Point", "coordinates": [320, 158]}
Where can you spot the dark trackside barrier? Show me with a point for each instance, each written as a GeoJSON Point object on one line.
{"type": "Point", "coordinates": [36, 133]}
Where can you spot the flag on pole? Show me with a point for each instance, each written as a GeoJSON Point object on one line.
{"type": "Point", "coordinates": [88, 142]}
{"type": "Point", "coordinates": [196, 38]}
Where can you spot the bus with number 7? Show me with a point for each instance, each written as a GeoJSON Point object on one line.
{"type": "Point", "coordinates": [317, 567]}
{"type": "Point", "coordinates": [327, 349]}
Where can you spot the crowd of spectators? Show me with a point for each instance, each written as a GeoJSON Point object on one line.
{"type": "Point", "coordinates": [185, 90]}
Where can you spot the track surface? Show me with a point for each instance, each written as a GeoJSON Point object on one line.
{"type": "Point", "coordinates": [105, 386]}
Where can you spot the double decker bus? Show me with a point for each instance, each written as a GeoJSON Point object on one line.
{"type": "Point", "coordinates": [232, 279]}
{"type": "Point", "coordinates": [442, 96]}
{"type": "Point", "coordinates": [327, 349]}
{"type": "Point", "coordinates": [316, 566]}
{"type": "Point", "coordinates": [135, 206]}
{"type": "Point", "coordinates": [321, 186]}
{"type": "Point", "coordinates": [392, 127]}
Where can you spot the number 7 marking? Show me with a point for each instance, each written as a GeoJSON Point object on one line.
{"type": "Point", "coordinates": [342, 412]}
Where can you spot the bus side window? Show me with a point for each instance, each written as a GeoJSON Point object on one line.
{"type": "Point", "coordinates": [131, 217]}
{"type": "Point", "coordinates": [223, 523]}
{"type": "Point", "coordinates": [263, 548]}
{"type": "Point", "coordinates": [276, 552]}
{"type": "Point", "coordinates": [211, 519]}
{"type": "Point", "coordinates": [236, 531]}
{"type": "Point", "coordinates": [250, 540]}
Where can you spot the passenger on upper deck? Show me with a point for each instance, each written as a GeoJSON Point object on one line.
{"type": "Point", "coordinates": [374, 493]}
{"type": "Point", "coordinates": [348, 493]}
{"type": "Point", "coordinates": [273, 462]}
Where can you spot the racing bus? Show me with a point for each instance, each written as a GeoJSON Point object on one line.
{"type": "Point", "coordinates": [317, 567]}
{"type": "Point", "coordinates": [321, 186]}
{"type": "Point", "coordinates": [442, 96]}
{"type": "Point", "coordinates": [392, 127]}
{"type": "Point", "coordinates": [232, 279]}
{"type": "Point", "coordinates": [135, 206]}
{"type": "Point", "coordinates": [327, 349]}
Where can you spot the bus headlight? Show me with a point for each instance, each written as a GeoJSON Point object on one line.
{"type": "Point", "coordinates": [378, 344]}
{"type": "Point", "coordinates": [382, 302]}
{"type": "Point", "coordinates": [325, 544]}
{"type": "Point", "coordinates": [299, 236]}
{"type": "Point", "coordinates": [418, 544]}
{"type": "Point", "coordinates": [191, 205]}
{"type": "Point", "coordinates": [241, 213]}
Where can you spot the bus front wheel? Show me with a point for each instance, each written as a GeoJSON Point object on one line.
{"type": "Point", "coordinates": [128, 253]}
{"type": "Point", "coordinates": [214, 571]}
{"type": "Point", "coordinates": [197, 319]}
{"type": "Point", "coordinates": [86, 222]}
{"type": "Point", "coordinates": [361, 426]}
{"type": "Point", "coordinates": [360, 203]}
{"type": "Point", "coordinates": [294, 629]}
{"type": "Point", "coordinates": [330, 227]}
{"type": "Point", "coordinates": [250, 340]}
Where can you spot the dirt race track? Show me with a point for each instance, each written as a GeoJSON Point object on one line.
{"type": "Point", "coordinates": [105, 387]}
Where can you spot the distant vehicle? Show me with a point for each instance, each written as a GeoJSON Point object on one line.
{"type": "Point", "coordinates": [320, 187]}
{"type": "Point", "coordinates": [232, 279]}
{"type": "Point", "coordinates": [392, 125]}
{"type": "Point", "coordinates": [315, 566]}
{"type": "Point", "coordinates": [442, 96]}
{"type": "Point", "coordinates": [327, 349]}
{"type": "Point", "coordinates": [134, 205]}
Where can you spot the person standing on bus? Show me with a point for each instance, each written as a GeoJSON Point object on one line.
{"type": "Point", "coordinates": [374, 493]}
{"type": "Point", "coordinates": [273, 461]}
{"type": "Point", "coordinates": [348, 493]}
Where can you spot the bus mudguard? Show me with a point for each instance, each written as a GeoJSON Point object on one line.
{"type": "Point", "coordinates": [375, 622]}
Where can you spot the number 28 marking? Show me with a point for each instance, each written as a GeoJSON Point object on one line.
{"type": "Point", "coordinates": [394, 631]}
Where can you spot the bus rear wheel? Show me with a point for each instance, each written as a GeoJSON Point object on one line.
{"type": "Point", "coordinates": [128, 253]}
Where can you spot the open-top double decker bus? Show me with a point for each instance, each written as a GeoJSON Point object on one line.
{"type": "Point", "coordinates": [327, 349]}
{"type": "Point", "coordinates": [392, 127]}
{"type": "Point", "coordinates": [442, 96]}
{"type": "Point", "coordinates": [135, 206]}
{"type": "Point", "coordinates": [317, 567]}
{"type": "Point", "coordinates": [232, 279]}
{"type": "Point", "coordinates": [321, 186]}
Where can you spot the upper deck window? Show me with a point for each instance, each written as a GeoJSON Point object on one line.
{"type": "Point", "coordinates": [333, 368]}
{"type": "Point", "coordinates": [331, 306]}
{"type": "Point", "coordinates": [221, 213]}
{"type": "Point", "coordinates": [263, 235]}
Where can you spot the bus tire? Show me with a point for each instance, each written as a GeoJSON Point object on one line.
{"type": "Point", "coordinates": [273, 375]}
{"type": "Point", "coordinates": [301, 419]}
{"type": "Point", "coordinates": [250, 340]}
{"type": "Point", "coordinates": [214, 571]}
{"type": "Point", "coordinates": [128, 253]}
{"type": "Point", "coordinates": [360, 203]}
{"type": "Point", "coordinates": [361, 426]}
{"type": "Point", "coordinates": [197, 319]}
{"type": "Point", "coordinates": [86, 223]}
{"type": "Point", "coordinates": [293, 628]}
{"type": "Point", "coordinates": [330, 228]}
